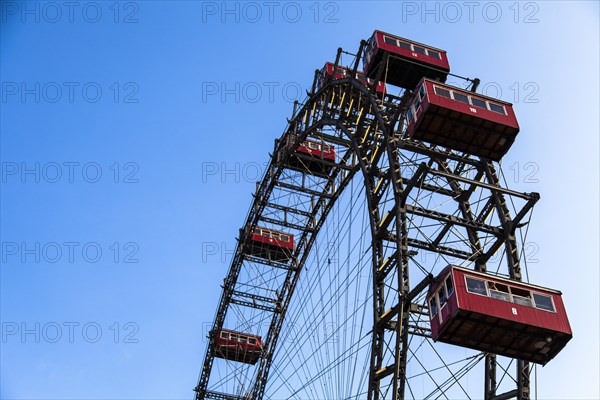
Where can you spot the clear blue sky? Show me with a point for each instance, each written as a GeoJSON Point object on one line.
{"type": "Point", "coordinates": [132, 133]}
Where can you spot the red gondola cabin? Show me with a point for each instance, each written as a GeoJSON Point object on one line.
{"type": "Point", "coordinates": [343, 72]}
{"type": "Point", "coordinates": [270, 244]}
{"type": "Point", "coordinates": [461, 120]}
{"type": "Point", "coordinates": [236, 346]}
{"type": "Point", "coordinates": [497, 315]}
{"type": "Point", "coordinates": [315, 158]}
{"type": "Point", "coordinates": [408, 61]}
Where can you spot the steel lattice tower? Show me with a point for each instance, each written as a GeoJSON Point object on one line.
{"type": "Point", "coordinates": [474, 217]}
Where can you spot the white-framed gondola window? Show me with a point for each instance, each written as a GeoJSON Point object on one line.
{"type": "Point", "coordinates": [544, 302]}
{"type": "Point", "coordinates": [449, 285]}
{"type": "Point", "coordinates": [476, 286]}
{"type": "Point", "coordinates": [312, 145]}
{"type": "Point", "coordinates": [470, 100]}
{"type": "Point", "coordinates": [442, 296]}
{"type": "Point", "coordinates": [510, 294]}
{"type": "Point", "coordinates": [499, 291]}
{"type": "Point", "coordinates": [439, 300]}
{"type": "Point", "coordinates": [433, 306]}
{"type": "Point", "coordinates": [478, 103]}
{"type": "Point", "coordinates": [445, 291]}
{"type": "Point", "coordinates": [422, 92]}
{"type": "Point", "coordinates": [415, 49]}
{"type": "Point", "coordinates": [521, 296]}
{"type": "Point", "coordinates": [272, 234]}
{"type": "Point", "coordinates": [460, 97]}
{"type": "Point", "coordinates": [442, 92]}
{"type": "Point", "coordinates": [418, 99]}
{"type": "Point", "coordinates": [496, 108]}
{"type": "Point", "coordinates": [389, 40]}
{"type": "Point", "coordinates": [278, 236]}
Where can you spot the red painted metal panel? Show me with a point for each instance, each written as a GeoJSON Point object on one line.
{"type": "Point", "coordinates": [470, 128]}
{"type": "Point", "coordinates": [261, 235]}
{"type": "Point", "coordinates": [448, 311]}
{"type": "Point", "coordinates": [451, 307]}
{"type": "Point", "coordinates": [509, 119]}
{"type": "Point", "coordinates": [243, 345]}
{"type": "Point", "coordinates": [556, 321]}
{"type": "Point", "coordinates": [238, 348]}
{"type": "Point", "coordinates": [488, 324]}
{"type": "Point", "coordinates": [441, 63]}
{"type": "Point", "coordinates": [317, 149]}
{"type": "Point", "coordinates": [435, 325]}
{"type": "Point", "coordinates": [409, 62]}
{"type": "Point", "coordinates": [419, 112]}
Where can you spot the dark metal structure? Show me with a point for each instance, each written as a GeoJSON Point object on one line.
{"type": "Point", "coordinates": [471, 222]}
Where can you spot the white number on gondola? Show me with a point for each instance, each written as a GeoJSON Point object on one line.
{"type": "Point", "coordinates": [514, 311]}
{"type": "Point", "coordinates": [473, 110]}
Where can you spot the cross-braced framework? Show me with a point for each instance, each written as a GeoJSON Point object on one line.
{"type": "Point", "coordinates": [345, 316]}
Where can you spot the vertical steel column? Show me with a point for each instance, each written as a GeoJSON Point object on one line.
{"type": "Point", "coordinates": [490, 377]}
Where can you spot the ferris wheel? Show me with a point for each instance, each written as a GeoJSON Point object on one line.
{"type": "Point", "coordinates": [382, 256]}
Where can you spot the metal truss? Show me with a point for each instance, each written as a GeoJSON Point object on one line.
{"type": "Point", "coordinates": [473, 224]}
